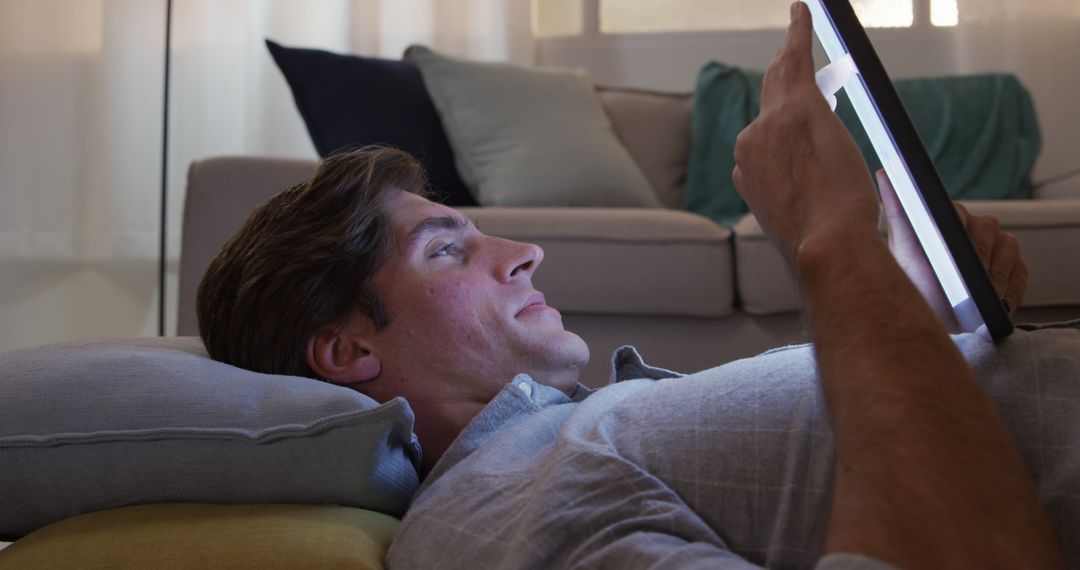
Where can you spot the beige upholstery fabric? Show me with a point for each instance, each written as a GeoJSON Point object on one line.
{"type": "Point", "coordinates": [221, 192]}
{"type": "Point", "coordinates": [1048, 230]}
{"type": "Point", "coordinates": [1067, 188]}
{"type": "Point", "coordinates": [762, 277]}
{"type": "Point", "coordinates": [655, 129]}
{"type": "Point", "coordinates": [654, 262]}
{"type": "Point", "coordinates": [618, 261]}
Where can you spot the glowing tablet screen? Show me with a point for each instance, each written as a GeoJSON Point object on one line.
{"type": "Point", "coordinates": [938, 252]}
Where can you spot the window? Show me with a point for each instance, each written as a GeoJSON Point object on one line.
{"type": "Point", "coordinates": [566, 17]}
{"type": "Point", "coordinates": [557, 18]}
{"type": "Point", "coordinates": [944, 13]}
{"type": "Point", "coordinates": [642, 16]}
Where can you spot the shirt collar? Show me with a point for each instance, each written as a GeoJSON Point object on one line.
{"type": "Point", "coordinates": [519, 398]}
{"type": "Point", "coordinates": [523, 396]}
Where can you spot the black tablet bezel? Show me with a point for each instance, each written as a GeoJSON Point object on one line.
{"type": "Point", "coordinates": [920, 168]}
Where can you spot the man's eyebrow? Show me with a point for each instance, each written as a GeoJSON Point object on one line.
{"type": "Point", "coordinates": [434, 224]}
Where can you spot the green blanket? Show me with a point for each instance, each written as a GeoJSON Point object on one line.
{"type": "Point", "coordinates": [980, 130]}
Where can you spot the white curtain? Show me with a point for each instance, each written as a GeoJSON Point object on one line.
{"type": "Point", "coordinates": [80, 130]}
{"type": "Point", "coordinates": [1039, 41]}
{"type": "Point", "coordinates": [80, 116]}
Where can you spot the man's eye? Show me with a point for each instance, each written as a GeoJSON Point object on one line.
{"type": "Point", "coordinates": [445, 250]}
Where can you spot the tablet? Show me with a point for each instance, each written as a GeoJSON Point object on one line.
{"type": "Point", "coordinates": [911, 171]}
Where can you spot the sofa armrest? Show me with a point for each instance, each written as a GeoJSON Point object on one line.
{"type": "Point", "coordinates": [221, 192]}
{"type": "Point", "coordinates": [623, 261]}
{"type": "Point", "coordinates": [1067, 188]}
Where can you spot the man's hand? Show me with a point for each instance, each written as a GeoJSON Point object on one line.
{"type": "Point", "coordinates": [926, 476]}
{"type": "Point", "coordinates": [796, 165]}
{"type": "Point", "coordinates": [999, 252]}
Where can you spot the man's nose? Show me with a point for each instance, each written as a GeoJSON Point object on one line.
{"type": "Point", "coordinates": [518, 260]}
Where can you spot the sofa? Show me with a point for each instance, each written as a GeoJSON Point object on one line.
{"type": "Point", "coordinates": [687, 292]}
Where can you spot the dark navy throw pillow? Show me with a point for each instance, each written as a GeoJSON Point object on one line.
{"type": "Point", "coordinates": [349, 101]}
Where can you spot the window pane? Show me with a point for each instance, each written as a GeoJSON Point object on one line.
{"type": "Point", "coordinates": [557, 18]}
{"type": "Point", "coordinates": [885, 13]}
{"type": "Point", "coordinates": [944, 13]}
{"type": "Point", "coordinates": [640, 16]}
{"type": "Point", "coordinates": [620, 16]}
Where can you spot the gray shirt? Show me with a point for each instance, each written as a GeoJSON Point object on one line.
{"type": "Point", "coordinates": [727, 468]}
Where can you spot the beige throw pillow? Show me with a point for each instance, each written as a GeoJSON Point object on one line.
{"type": "Point", "coordinates": [530, 137]}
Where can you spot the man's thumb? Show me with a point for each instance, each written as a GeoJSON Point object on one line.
{"type": "Point", "coordinates": [894, 212]}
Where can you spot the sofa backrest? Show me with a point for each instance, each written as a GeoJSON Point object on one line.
{"type": "Point", "coordinates": [655, 128]}
{"type": "Point", "coordinates": [221, 192]}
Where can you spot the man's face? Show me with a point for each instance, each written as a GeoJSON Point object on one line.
{"type": "Point", "coordinates": [464, 316]}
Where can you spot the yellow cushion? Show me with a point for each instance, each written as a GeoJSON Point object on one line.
{"type": "Point", "coordinates": [182, 535]}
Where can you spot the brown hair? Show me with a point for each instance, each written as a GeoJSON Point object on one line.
{"type": "Point", "coordinates": [303, 261]}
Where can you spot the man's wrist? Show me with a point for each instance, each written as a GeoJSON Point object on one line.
{"type": "Point", "coordinates": [839, 244]}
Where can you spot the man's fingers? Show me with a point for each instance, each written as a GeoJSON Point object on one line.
{"type": "Point", "coordinates": [963, 212]}
{"type": "Point", "coordinates": [794, 61]}
{"type": "Point", "coordinates": [1000, 254]}
{"type": "Point", "coordinates": [894, 213]}
{"type": "Point", "coordinates": [900, 231]}
{"type": "Point", "coordinates": [1003, 257]}
{"type": "Point", "coordinates": [1007, 270]}
{"type": "Point", "coordinates": [1018, 280]}
{"type": "Point", "coordinates": [983, 230]}
{"type": "Point", "coordinates": [796, 46]}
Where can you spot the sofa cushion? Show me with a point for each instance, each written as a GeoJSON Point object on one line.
{"type": "Point", "coordinates": [763, 279]}
{"type": "Point", "coordinates": [531, 137]}
{"type": "Point", "coordinates": [183, 535]}
{"type": "Point", "coordinates": [353, 101]}
{"type": "Point", "coordinates": [95, 425]}
{"type": "Point", "coordinates": [623, 261]}
{"type": "Point", "coordinates": [655, 129]}
{"type": "Point", "coordinates": [1046, 230]}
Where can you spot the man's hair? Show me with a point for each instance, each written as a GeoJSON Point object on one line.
{"type": "Point", "coordinates": [304, 260]}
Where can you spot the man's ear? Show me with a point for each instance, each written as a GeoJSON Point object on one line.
{"type": "Point", "coordinates": [342, 352]}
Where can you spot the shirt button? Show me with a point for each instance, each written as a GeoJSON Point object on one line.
{"type": "Point", "coordinates": [525, 389]}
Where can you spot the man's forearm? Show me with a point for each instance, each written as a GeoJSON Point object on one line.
{"type": "Point", "coordinates": [917, 440]}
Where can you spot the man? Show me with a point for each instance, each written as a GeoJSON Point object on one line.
{"type": "Point", "coordinates": [356, 278]}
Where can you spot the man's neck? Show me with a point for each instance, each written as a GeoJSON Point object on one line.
{"type": "Point", "coordinates": [437, 426]}
{"type": "Point", "coordinates": [439, 421]}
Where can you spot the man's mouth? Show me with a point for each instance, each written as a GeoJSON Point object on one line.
{"type": "Point", "coordinates": [534, 303]}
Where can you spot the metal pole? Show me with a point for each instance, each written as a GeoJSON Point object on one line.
{"type": "Point", "coordinates": [164, 171]}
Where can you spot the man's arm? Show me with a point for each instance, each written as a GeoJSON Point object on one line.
{"type": "Point", "coordinates": [926, 474]}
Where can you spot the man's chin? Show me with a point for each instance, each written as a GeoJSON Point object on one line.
{"type": "Point", "coordinates": [563, 353]}
{"type": "Point", "coordinates": [577, 351]}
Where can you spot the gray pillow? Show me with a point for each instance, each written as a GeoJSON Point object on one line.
{"type": "Point", "coordinates": [529, 137]}
{"type": "Point", "coordinates": [94, 425]}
